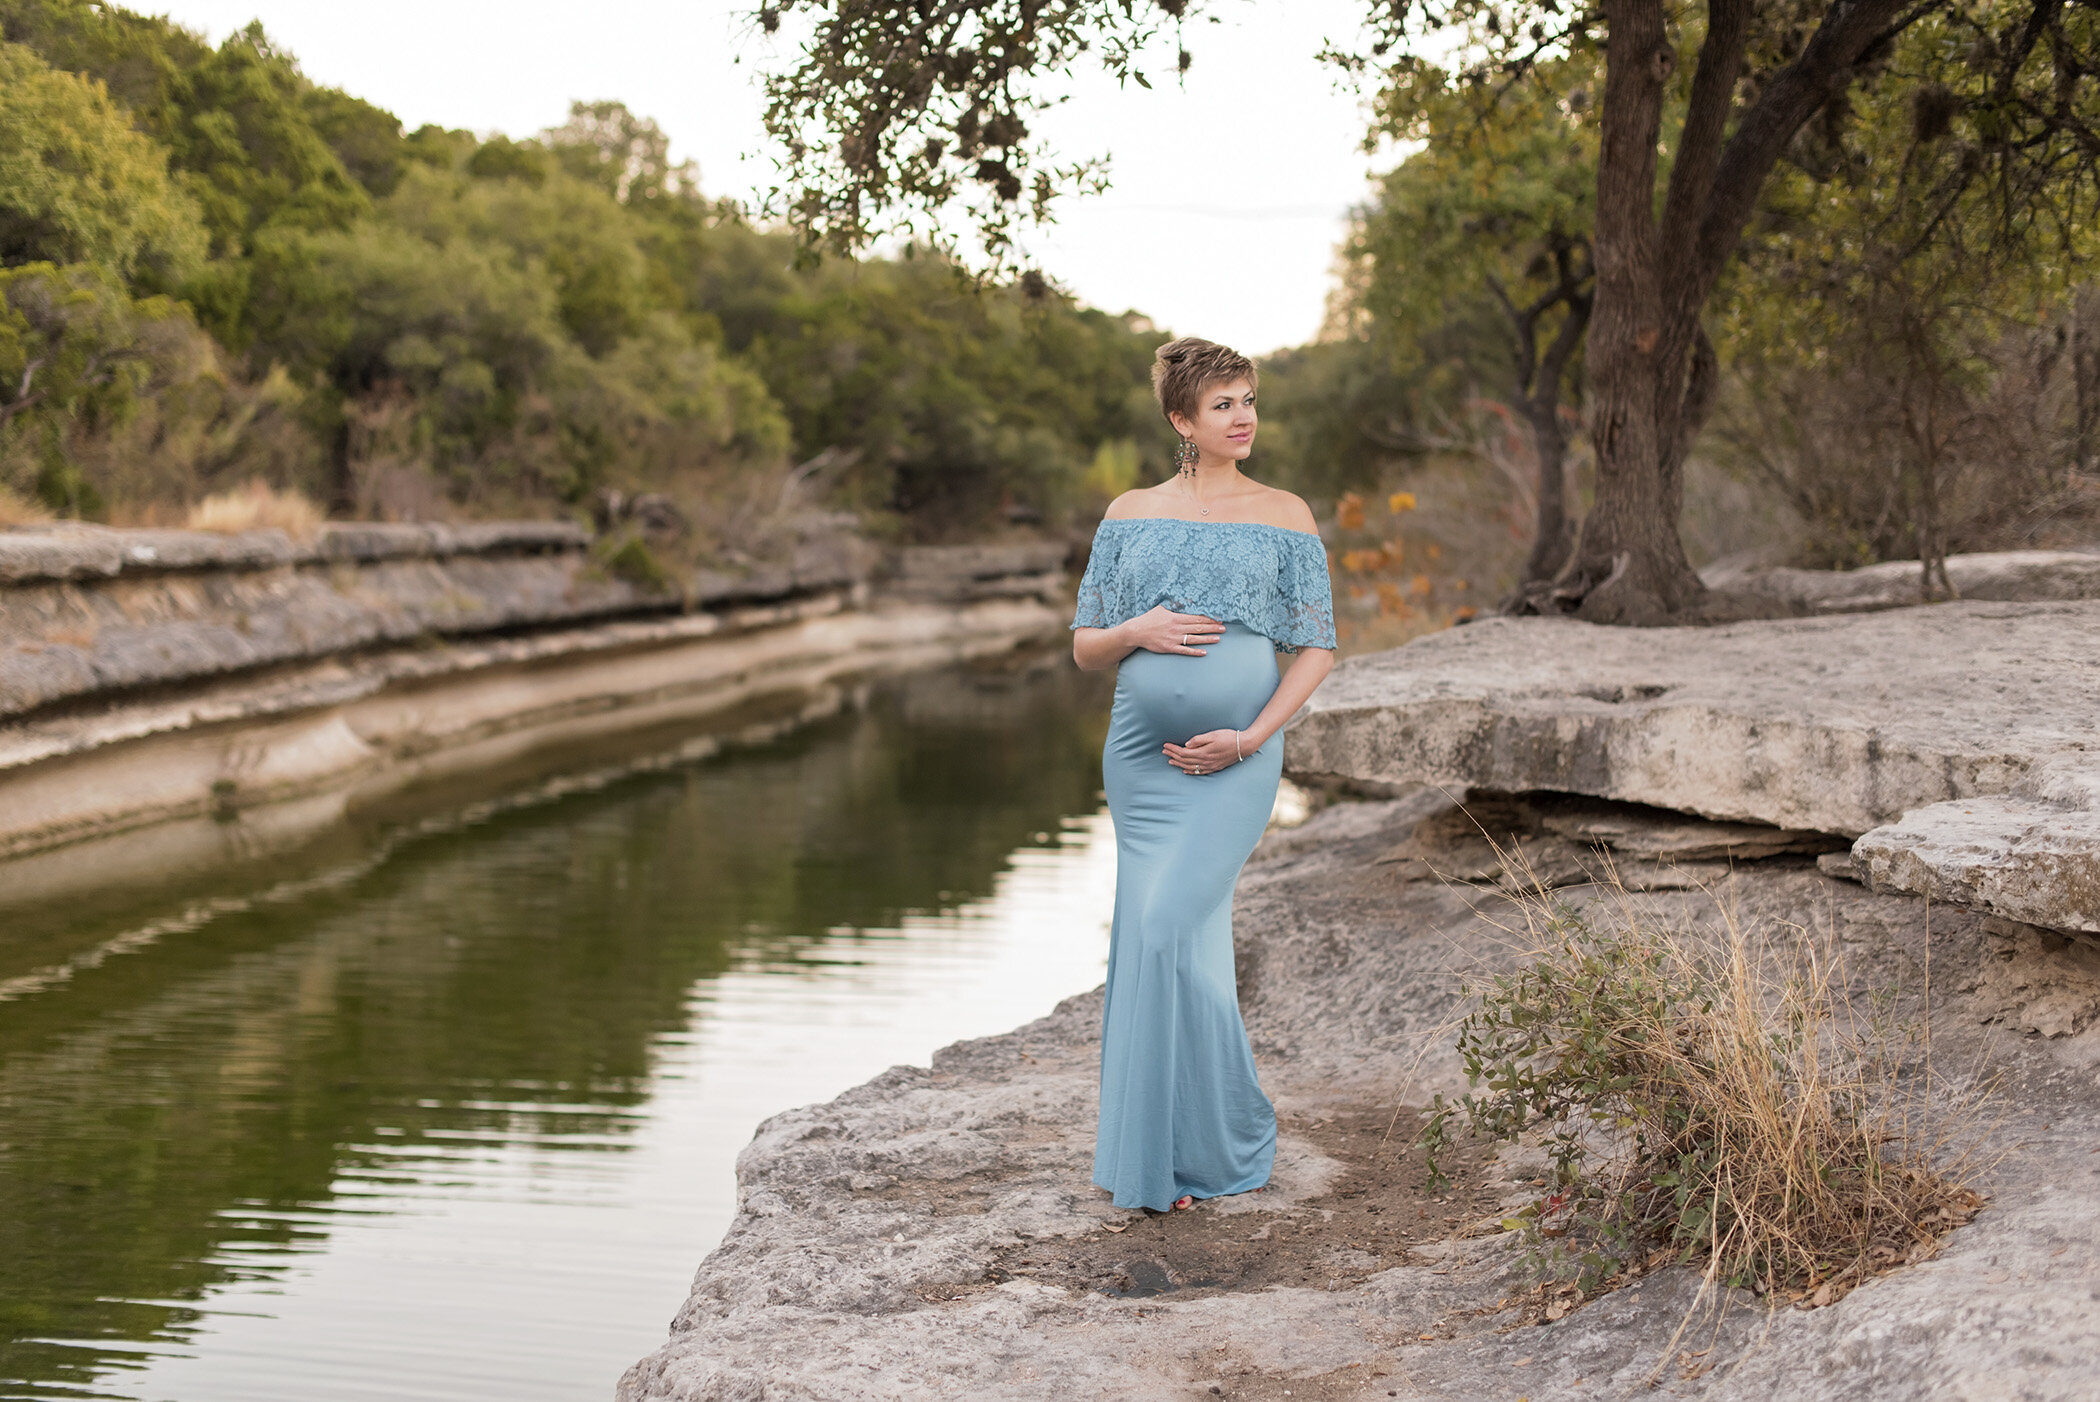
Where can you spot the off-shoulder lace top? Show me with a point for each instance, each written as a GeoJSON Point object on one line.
{"type": "Point", "coordinates": [1271, 578]}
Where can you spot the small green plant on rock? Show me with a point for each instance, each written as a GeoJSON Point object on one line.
{"type": "Point", "coordinates": [635, 563]}
{"type": "Point", "coordinates": [1710, 1097]}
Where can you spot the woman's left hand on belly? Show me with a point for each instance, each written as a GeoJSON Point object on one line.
{"type": "Point", "coordinates": [1209, 752]}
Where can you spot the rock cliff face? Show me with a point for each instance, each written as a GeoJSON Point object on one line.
{"type": "Point", "coordinates": [931, 1234]}
{"type": "Point", "coordinates": [86, 611]}
{"type": "Point", "coordinates": [1837, 725]}
{"type": "Point", "coordinates": [148, 675]}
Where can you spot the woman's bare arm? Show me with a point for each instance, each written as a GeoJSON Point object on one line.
{"type": "Point", "coordinates": [1307, 670]}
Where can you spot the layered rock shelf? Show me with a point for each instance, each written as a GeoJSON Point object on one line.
{"type": "Point", "coordinates": [2031, 861]}
{"type": "Point", "coordinates": [87, 611]}
{"type": "Point", "coordinates": [1958, 743]}
{"type": "Point", "coordinates": [156, 675]}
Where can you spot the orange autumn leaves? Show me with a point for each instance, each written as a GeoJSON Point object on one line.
{"type": "Point", "coordinates": [1388, 598]}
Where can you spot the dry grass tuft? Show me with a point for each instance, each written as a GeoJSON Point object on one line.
{"type": "Point", "coordinates": [1712, 1096]}
{"type": "Point", "coordinates": [257, 506]}
{"type": "Point", "coordinates": [17, 511]}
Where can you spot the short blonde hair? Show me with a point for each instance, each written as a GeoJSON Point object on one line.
{"type": "Point", "coordinates": [1182, 369]}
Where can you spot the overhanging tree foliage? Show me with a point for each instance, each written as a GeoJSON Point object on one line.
{"type": "Point", "coordinates": [897, 111]}
{"type": "Point", "coordinates": [1902, 343]}
{"type": "Point", "coordinates": [1488, 225]}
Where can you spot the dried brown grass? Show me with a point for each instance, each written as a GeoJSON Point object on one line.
{"type": "Point", "coordinates": [19, 511]}
{"type": "Point", "coordinates": [257, 506]}
{"type": "Point", "coordinates": [1718, 1095]}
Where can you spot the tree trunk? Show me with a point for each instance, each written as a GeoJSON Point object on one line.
{"type": "Point", "coordinates": [1631, 566]}
{"type": "Point", "coordinates": [1538, 383]}
{"type": "Point", "coordinates": [2085, 378]}
{"type": "Point", "coordinates": [1651, 369]}
{"type": "Point", "coordinates": [1555, 540]}
{"type": "Point", "coordinates": [342, 478]}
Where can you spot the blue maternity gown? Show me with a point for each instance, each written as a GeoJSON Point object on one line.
{"type": "Point", "coordinates": [1181, 1110]}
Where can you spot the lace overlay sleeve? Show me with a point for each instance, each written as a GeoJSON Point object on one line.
{"type": "Point", "coordinates": [1305, 603]}
{"type": "Point", "coordinates": [1097, 603]}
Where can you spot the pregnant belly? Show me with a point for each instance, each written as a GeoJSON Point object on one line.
{"type": "Point", "coordinates": [1164, 696]}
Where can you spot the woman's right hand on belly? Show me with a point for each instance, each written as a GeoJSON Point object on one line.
{"type": "Point", "coordinates": [1163, 630]}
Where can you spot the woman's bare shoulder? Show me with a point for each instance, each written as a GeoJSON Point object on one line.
{"type": "Point", "coordinates": [1138, 501]}
{"type": "Point", "coordinates": [1277, 507]}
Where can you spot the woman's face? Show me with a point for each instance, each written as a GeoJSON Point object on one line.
{"type": "Point", "coordinates": [1224, 422]}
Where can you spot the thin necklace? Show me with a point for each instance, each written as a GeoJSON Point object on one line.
{"type": "Point", "coordinates": [1192, 492]}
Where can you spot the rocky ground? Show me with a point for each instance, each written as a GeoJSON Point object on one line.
{"type": "Point", "coordinates": [933, 1234]}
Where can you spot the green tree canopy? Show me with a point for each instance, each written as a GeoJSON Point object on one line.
{"type": "Point", "coordinates": [959, 401]}
{"type": "Point", "coordinates": [512, 323]}
{"type": "Point", "coordinates": [628, 157]}
{"type": "Point", "coordinates": [1475, 261]}
{"type": "Point", "coordinates": [520, 318]}
{"type": "Point", "coordinates": [78, 183]}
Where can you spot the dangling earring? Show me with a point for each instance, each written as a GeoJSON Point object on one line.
{"type": "Point", "coordinates": [1185, 457]}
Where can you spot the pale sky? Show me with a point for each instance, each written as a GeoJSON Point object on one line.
{"type": "Point", "coordinates": [1229, 195]}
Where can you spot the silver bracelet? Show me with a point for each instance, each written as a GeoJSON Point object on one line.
{"type": "Point", "coordinates": [1237, 757]}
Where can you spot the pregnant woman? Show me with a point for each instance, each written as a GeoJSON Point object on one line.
{"type": "Point", "coordinates": [1192, 588]}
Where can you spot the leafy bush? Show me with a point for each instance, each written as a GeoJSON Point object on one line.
{"type": "Point", "coordinates": [78, 182]}
{"type": "Point", "coordinates": [1709, 1097]}
{"type": "Point", "coordinates": [78, 354]}
{"type": "Point", "coordinates": [634, 562]}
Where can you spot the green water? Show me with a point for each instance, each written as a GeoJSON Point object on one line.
{"type": "Point", "coordinates": [446, 1103]}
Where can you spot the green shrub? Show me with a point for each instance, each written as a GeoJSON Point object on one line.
{"type": "Point", "coordinates": [637, 564]}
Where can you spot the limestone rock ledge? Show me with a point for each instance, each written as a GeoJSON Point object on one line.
{"type": "Point", "coordinates": [370, 724]}
{"type": "Point", "coordinates": [2028, 861]}
{"type": "Point", "coordinates": [89, 611]}
{"type": "Point", "coordinates": [889, 1244]}
{"type": "Point", "coordinates": [2000, 576]}
{"type": "Point", "coordinates": [1887, 727]}
{"type": "Point", "coordinates": [154, 676]}
{"type": "Point", "coordinates": [71, 550]}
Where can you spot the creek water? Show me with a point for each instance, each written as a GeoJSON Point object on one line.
{"type": "Point", "coordinates": [447, 1103]}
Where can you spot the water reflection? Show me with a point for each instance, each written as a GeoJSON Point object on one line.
{"type": "Point", "coordinates": [452, 1114]}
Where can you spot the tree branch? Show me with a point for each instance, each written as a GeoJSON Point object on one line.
{"type": "Point", "coordinates": [1700, 388]}
{"type": "Point", "coordinates": [20, 406]}
{"type": "Point", "coordinates": [1795, 93]}
{"type": "Point", "coordinates": [1522, 336]}
{"type": "Point", "coordinates": [2040, 19]}
{"type": "Point", "coordinates": [1705, 125]}
{"type": "Point", "coordinates": [23, 399]}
